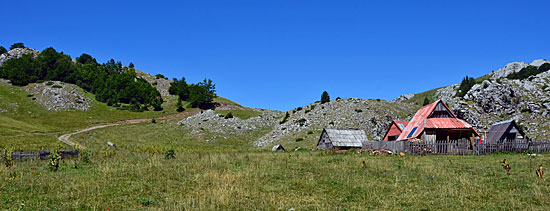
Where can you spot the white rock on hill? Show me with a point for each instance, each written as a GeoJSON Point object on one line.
{"type": "Point", "coordinates": [59, 96]}
{"type": "Point", "coordinates": [17, 53]}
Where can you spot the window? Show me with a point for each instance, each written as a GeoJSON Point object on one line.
{"type": "Point", "coordinates": [412, 132]}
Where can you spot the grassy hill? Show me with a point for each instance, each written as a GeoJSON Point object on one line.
{"type": "Point", "coordinates": [27, 125]}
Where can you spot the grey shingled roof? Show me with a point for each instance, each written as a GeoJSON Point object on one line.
{"type": "Point", "coordinates": [346, 138]}
{"type": "Point", "coordinates": [500, 129]}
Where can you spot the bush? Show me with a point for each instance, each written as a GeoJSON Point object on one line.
{"type": "Point", "coordinates": [525, 110]}
{"type": "Point", "coordinates": [131, 65]}
{"type": "Point", "coordinates": [159, 76]}
{"type": "Point", "coordinates": [154, 121]}
{"type": "Point", "coordinates": [57, 86]}
{"type": "Point", "coordinates": [285, 119]}
{"type": "Point", "coordinates": [302, 121]}
{"type": "Point", "coordinates": [465, 86]}
{"type": "Point", "coordinates": [338, 98]}
{"type": "Point", "coordinates": [299, 139]}
{"type": "Point", "coordinates": [145, 202]}
{"type": "Point", "coordinates": [309, 132]}
{"type": "Point", "coordinates": [179, 106]}
{"type": "Point", "coordinates": [544, 86]}
{"type": "Point", "coordinates": [49, 83]}
{"type": "Point", "coordinates": [7, 158]}
{"type": "Point", "coordinates": [2, 50]}
{"type": "Point", "coordinates": [169, 154]}
{"type": "Point", "coordinates": [53, 162]}
{"type": "Point", "coordinates": [358, 110]}
{"type": "Point", "coordinates": [228, 115]}
{"type": "Point", "coordinates": [325, 98]}
{"type": "Point", "coordinates": [17, 45]}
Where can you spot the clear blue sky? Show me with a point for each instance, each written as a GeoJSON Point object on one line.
{"type": "Point", "coordinates": [283, 54]}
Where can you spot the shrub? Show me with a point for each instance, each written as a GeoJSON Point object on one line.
{"type": "Point", "coordinates": [49, 83]}
{"type": "Point", "coordinates": [179, 106]}
{"type": "Point", "coordinates": [159, 76]}
{"type": "Point", "coordinates": [57, 86]}
{"type": "Point", "coordinates": [53, 163]}
{"type": "Point", "coordinates": [309, 132]}
{"type": "Point", "coordinates": [30, 95]}
{"type": "Point", "coordinates": [299, 109]}
{"type": "Point", "coordinates": [525, 110]}
{"type": "Point", "coordinates": [307, 111]}
{"type": "Point", "coordinates": [325, 98]}
{"type": "Point", "coordinates": [299, 139]}
{"type": "Point", "coordinates": [154, 121]}
{"type": "Point", "coordinates": [358, 110]}
{"type": "Point", "coordinates": [229, 115]}
{"type": "Point", "coordinates": [131, 65]}
{"type": "Point", "coordinates": [426, 101]}
{"type": "Point", "coordinates": [169, 154]}
{"type": "Point", "coordinates": [17, 45]}
{"type": "Point", "coordinates": [2, 50]}
{"type": "Point", "coordinates": [502, 116]}
{"type": "Point", "coordinates": [544, 86]}
{"type": "Point", "coordinates": [465, 86]}
{"type": "Point", "coordinates": [338, 98]}
{"type": "Point", "coordinates": [7, 158]}
{"type": "Point", "coordinates": [285, 119]}
{"type": "Point", "coordinates": [302, 121]}
{"type": "Point", "coordinates": [145, 202]}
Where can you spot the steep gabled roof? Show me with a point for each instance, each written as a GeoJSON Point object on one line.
{"type": "Point", "coordinates": [499, 130]}
{"type": "Point", "coordinates": [399, 125]}
{"type": "Point", "coordinates": [420, 121]}
{"type": "Point", "coordinates": [346, 138]}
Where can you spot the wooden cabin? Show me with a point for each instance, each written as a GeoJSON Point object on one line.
{"type": "Point", "coordinates": [341, 139]}
{"type": "Point", "coordinates": [395, 129]}
{"type": "Point", "coordinates": [502, 131]}
{"type": "Point", "coordinates": [436, 122]}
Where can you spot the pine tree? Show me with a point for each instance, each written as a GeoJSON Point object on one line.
{"type": "Point", "coordinates": [131, 65]}
{"type": "Point", "coordinates": [426, 101]}
{"type": "Point", "coordinates": [2, 50]}
{"type": "Point", "coordinates": [179, 106]}
{"type": "Point", "coordinates": [17, 45]}
{"type": "Point", "coordinates": [325, 98]}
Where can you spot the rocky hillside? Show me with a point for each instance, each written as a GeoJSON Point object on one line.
{"type": "Point", "coordinates": [56, 96]}
{"type": "Point", "coordinates": [17, 53]}
{"type": "Point", "coordinates": [373, 116]}
{"type": "Point", "coordinates": [496, 98]}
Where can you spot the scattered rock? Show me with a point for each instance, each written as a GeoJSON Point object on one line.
{"type": "Point", "coordinates": [17, 53]}
{"type": "Point", "coordinates": [59, 96]}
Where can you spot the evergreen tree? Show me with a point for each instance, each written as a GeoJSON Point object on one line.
{"type": "Point", "coordinates": [426, 101]}
{"type": "Point", "coordinates": [17, 45]}
{"type": "Point", "coordinates": [2, 50]}
{"type": "Point", "coordinates": [131, 65]}
{"type": "Point", "coordinates": [179, 106]}
{"type": "Point", "coordinates": [325, 98]}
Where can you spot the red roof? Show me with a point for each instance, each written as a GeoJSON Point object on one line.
{"type": "Point", "coordinates": [395, 129]}
{"type": "Point", "coordinates": [420, 121]}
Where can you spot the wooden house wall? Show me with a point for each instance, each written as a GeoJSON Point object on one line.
{"type": "Point", "coordinates": [324, 141]}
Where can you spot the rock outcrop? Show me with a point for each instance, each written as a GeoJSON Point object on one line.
{"type": "Point", "coordinates": [17, 53]}
{"type": "Point", "coordinates": [57, 96]}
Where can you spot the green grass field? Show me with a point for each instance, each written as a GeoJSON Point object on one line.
{"type": "Point", "coordinates": [29, 126]}
{"type": "Point", "coordinates": [121, 180]}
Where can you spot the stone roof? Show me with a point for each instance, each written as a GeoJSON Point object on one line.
{"type": "Point", "coordinates": [347, 137]}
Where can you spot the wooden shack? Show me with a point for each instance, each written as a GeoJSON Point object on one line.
{"type": "Point", "coordinates": [341, 139]}
{"type": "Point", "coordinates": [500, 132]}
{"type": "Point", "coordinates": [394, 130]}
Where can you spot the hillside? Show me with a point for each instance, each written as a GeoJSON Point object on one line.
{"type": "Point", "coordinates": [496, 98]}
{"type": "Point", "coordinates": [33, 116]}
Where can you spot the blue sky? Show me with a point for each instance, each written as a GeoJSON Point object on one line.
{"type": "Point", "coordinates": [283, 54]}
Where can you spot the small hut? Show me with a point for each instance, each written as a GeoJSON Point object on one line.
{"type": "Point", "coordinates": [395, 129]}
{"type": "Point", "coordinates": [341, 139]}
{"type": "Point", "coordinates": [502, 131]}
{"type": "Point", "coordinates": [278, 147]}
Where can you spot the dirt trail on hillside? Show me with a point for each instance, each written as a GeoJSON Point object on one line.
{"type": "Point", "coordinates": [65, 137]}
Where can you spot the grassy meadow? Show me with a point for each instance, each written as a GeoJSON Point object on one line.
{"type": "Point", "coordinates": [120, 180]}
{"type": "Point", "coordinates": [232, 174]}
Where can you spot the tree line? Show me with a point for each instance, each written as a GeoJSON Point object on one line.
{"type": "Point", "coordinates": [111, 82]}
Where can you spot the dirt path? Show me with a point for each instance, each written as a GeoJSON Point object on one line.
{"type": "Point", "coordinates": [65, 137]}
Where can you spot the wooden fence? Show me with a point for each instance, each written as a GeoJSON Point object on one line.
{"type": "Point", "coordinates": [466, 147]}
{"type": "Point", "coordinates": [43, 154]}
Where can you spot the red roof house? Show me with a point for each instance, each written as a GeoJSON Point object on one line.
{"type": "Point", "coordinates": [395, 130]}
{"type": "Point", "coordinates": [435, 122]}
